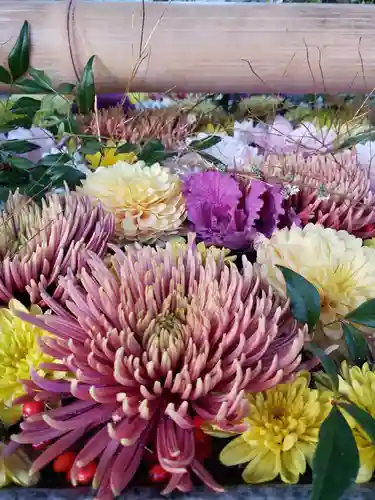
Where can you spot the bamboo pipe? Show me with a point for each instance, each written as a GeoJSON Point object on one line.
{"type": "Point", "coordinates": [296, 48]}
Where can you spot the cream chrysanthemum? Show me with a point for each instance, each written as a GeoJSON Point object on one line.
{"type": "Point", "coordinates": [357, 384]}
{"type": "Point", "coordinates": [282, 435]}
{"type": "Point", "coordinates": [146, 201]}
{"type": "Point", "coordinates": [335, 262]}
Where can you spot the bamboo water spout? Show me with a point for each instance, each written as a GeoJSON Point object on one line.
{"type": "Point", "coordinates": [296, 48]}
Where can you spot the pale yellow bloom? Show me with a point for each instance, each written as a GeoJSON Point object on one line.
{"type": "Point", "coordinates": [178, 243]}
{"type": "Point", "coordinates": [146, 201]}
{"type": "Point", "coordinates": [358, 385]}
{"type": "Point", "coordinates": [15, 469]}
{"type": "Point", "coordinates": [335, 262]}
{"type": "Point", "coordinates": [19, 352]}
{"type": "Point", "coordinates": [109, 157]}
{"type": "Point", "coordinates": [283, 429]}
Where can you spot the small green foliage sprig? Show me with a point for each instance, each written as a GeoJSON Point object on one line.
{"type": "Point", "coordinates": [52, 112]}
{"type": "Point", "coordinates": [336, 461]}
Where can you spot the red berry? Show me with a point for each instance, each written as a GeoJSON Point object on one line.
{"type": "Point", "coordinates": [32, 408]}
{"type": "Point", "coordinates": [368, 228]}
{"type": "Point", "coordinates": [198, 422]}
{"type": "Point", "coordinates": [199, 436]}
{"type": "Point", "coordinates": [157, 474]}
{"type": "Point", "coordinates": [64, 462]}
{"type": "Point", "coordinates": [204, 449]}
{"type": "Point", "coordinates": [85, 474]}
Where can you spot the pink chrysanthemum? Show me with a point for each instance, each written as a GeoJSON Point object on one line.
{"type": "Point", "coordinates": [156, 340]}
{"type": "Point", "coordinates": [333, 190]}
{"type": "Point", "coordinates": [39, 243]}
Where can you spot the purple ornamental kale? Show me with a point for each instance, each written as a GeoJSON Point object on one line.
{"type": "Point", "coordinates": [225, 212]}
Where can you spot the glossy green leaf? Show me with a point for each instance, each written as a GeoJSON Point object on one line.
{"type": "Point", "coordinates": [91, 146]}
{"type": "Point", "coordinates": [4, 75]}
{"type": "Point", "coordinates": [328, 364]}
{"type": "Point", "coordinates": [54, 160]}
{"type": "Point", "coordinates": [21, 163]}
{"type": "Point", "coordinates": [363, 418]}
{"type": "Point", "coordinates": [26, 106]}
{"type": "Point", "coordinates": [336, 460]}
{"type": "Point", "coordinates": [61, 174]}
{"type": "Point", "coordinates": [65, 88]}
{"type": "Point", "coordinates": [86, 89]}
{"type": "Point", "coordinates": [13, 178]}
{"type": "Point", "coordinates": [18, 146]}
{"type": "Point", "coordinates": [364, 314]}
{"type": "Point", "coordinates": [126, 148]}
{"type": "Point", "coordinates": [41, 79]}
{"type": "Point", "coordinates": [206, 143]}
{"type": "Point", "coordinates": [356, 343]}
{"type": "Point", "coordinates": [28, 86]}
{"type": "Point", "coordinates": [358, 139]}
{"type": "Point", "coordinates": [4, 193]}
{"type": "Point", "coordinates": [19, 57]}
{"type": "Point", "coordinates": [304, 297]}
{"type": "Point", "coordinates": [153, 152]}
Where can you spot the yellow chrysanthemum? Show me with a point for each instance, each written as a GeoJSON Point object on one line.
{"type": "Point", "coordinates": [178, 243]}
{"type": "Point", "coordinates": [19, 351]}
{"type": "Point", "coordinates": [283, 425]}
{"type": "Point", "coordinates": [136, 97]}
{"type": "Point", "coordinates": [109, 157]}
{"type": "Point", "coordinates": [335, 262]}
{"type": "Point", "coordinates": [358, 385]}
{"type": "Point", "coordinates": [146, 201]}
{"type": "Point", "coordinates": [15, 469]}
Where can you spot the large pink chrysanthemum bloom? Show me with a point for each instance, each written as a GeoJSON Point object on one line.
{"type": "Point", "coordinates": [155, 340]}
{"type": "Point", "coordinates": [333, 190]}
{"type": "Point", "coordinates": [39, 243]}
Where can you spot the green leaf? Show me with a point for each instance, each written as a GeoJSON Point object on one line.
{"type": "Point", "coordinates": [214, 160]}
{"type": "Point", "coordinates": [41, 79]}
{"type": "Point", "coordinates": [5, 76]}
{"type": "Point", "coordinates": [26, 106]}
{"type": "Point", "coordinates": [358, 139]}
{"type": "Point", "coordinates": [70, 175]}
{"type": "Point", "coordinates": [29, 86]}
{"type": "Point", "coordinates": [19, 57]}
{"type": "Point", "coordinates": [153, 152]}
{"type": "Point", "coordinates": [328, 364]}
{"type": "Point", "coordinates": [152, 146]}
{"type": "Point", "coordinates": [206, 143]}
{"type": "Point", "coordinates": [91, 146]}
{"type": "Point", "coordinates": [65, 88]}
{"type": "Point", "coordinates": [304, 297]}
{"type": "Point", "coordinates": [4, 193]}
{"type": "Point", "coordinates": [54, 160]}
{"type": "Point", "coordinates": [126, 148]}
{"type": "Point", "coordinates": [21, 163]}
{"type": "Point", "coordinates": [18, 146]}
{"type": "Point", "coordinates": [356, 343]}
{"type": "Point", "coordinates": [336, 460]}
{"type": "Point", "coordinates": [13, 178]}
{"type": "Point", "coordinates": [364, 314]}
{"type": "Point", "coordinates": [363, 418]}
{"type": "Point", "coordinates": [86, 89]}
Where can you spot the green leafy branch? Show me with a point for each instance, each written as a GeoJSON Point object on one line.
{"type": "Point", "coordinates": [336, 461]}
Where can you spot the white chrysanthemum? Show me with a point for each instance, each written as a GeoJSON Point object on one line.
{"type": "Point", "coordinates": [335, 262]}
{"type": "Point", "coordinates": [146, 201]}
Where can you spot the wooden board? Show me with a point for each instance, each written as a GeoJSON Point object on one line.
{"type": "Point", "coordinates": [211, 47]}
